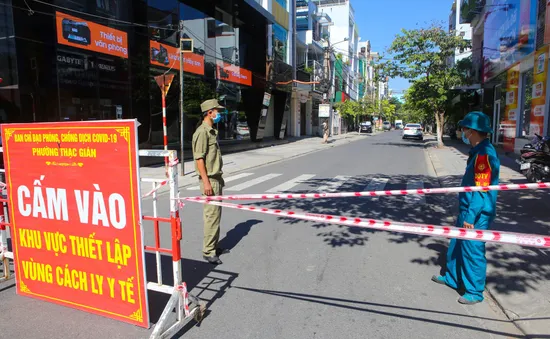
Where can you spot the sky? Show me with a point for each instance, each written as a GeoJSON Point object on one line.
{"type": "Point", "coordinates": [380, 21]}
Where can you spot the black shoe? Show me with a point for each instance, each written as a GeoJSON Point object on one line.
{"type": "Point", "coordinates": [220, 251]}
{"type": "Point", "coordinates": [214, 260]}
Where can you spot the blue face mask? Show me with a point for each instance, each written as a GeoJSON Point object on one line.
{"type": "Point", "coordinates": [217, 118]}
{"type": "Point", "coordinates": [464, 139]}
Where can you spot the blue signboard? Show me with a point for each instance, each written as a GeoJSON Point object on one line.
{"type": "Point", "coordinates": [282, 3]}
{"type": "Point", "coordinates": [509, 34]}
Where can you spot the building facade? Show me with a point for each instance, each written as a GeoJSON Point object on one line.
{"type": "Point", "coordinates": [344, 34]}
{"type": "Point", "coordinates": [460, 28]}
{"type": "Point", "coordinates": [510, 57]}
{"type": "Point", "coordinates": [95, 60]}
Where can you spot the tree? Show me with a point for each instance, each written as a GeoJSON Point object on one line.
{"type": "Point", "coordinates": [349, 110]}
{"type": "Point", "coordinates": [398, 105]}
{"type": "Point", "coordinates": [387, 110]}
{"type": "Point", "coordinates": [421, 55]}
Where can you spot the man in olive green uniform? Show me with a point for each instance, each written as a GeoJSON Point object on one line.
{"type": "Point", "coordinates": [208, 164]}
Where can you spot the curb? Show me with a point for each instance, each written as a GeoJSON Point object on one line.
{"type": "Point", "coordinates": [438, 168]}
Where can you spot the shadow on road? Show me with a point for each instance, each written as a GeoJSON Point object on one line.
{"type": "Point", "coordinates": [404, 143]}
{"type": "Point", "coordinates": [376, 308]}
{"type": "Point", "coordinates": [235, 235]}
{"type": "Point", "coordinates": [203, 280]}
{"type": "Point", "coordinates": [517, 212]}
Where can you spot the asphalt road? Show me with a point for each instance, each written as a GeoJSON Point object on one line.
{"type": "Point", "coordinates": [287, 278]}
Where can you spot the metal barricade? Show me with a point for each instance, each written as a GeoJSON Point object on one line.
{"type": "Point", "coordinates": [185, 305]}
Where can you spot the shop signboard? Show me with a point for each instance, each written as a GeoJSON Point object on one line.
{"type": "Point", "coordinates": [76, 231]}
{"type": "Point", "coordinates": [508, 124]}
{"type": "Point", "coordinates": [79, 33]}
{"type": "Point", "coordinates": [233, 73]}
{"type": "Point", "coordinates": [509, 34]}
{"type": "Point", "coordinates": [168, 57]}
{"type": "Point", "coordinates": [538, 101]}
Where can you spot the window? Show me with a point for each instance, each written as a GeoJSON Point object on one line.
{"type": "Point", "coordinates": [280, 38]}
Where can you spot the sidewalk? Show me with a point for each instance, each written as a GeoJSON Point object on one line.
{"type": "Point", "coordinates": [239, 161]}
{"type": "Point", "coordinates": [518, 278]}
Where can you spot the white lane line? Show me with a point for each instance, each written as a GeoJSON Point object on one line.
{"type": "Point", "coordinates": [288, 185]}
{"type": "Point", "coordinates": [253, 182]}
{"type": "Point", "coordinates": [415, 198]}
{"type": "Point", "coordinates": [333, 184]}
{"type": "Point", "coordinates": [376, 184]}
{"type": "Point", "coordinates": [233, 178]}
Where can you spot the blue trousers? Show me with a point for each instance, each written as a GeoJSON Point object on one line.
{"type": "Point", "coordinates": [466, 262]}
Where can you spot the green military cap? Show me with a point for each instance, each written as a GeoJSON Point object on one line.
{"type": "Point", "coordinates": [210, 104]}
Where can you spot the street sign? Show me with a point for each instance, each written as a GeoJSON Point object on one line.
{"type": "Point", "coordinates": [324, 110]}
{"type": "Point", "coordinates": [76, 217]}
{"type": "Point", "coordinates": [164, 81]}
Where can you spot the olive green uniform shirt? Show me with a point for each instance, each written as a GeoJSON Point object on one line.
{"type": "Point", "coordinates": [205, 146]}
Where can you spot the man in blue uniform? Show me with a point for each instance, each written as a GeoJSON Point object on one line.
{"type": "Point", "coordinates": [466, 262]}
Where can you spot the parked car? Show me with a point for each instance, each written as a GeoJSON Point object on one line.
{"type": "Point", "coordinates": [365, 127]}
{"type": "Point", "coordinates": [413, 131]}
{"type": "Point", "coordinates": [241, 131]}
{"type": "Point", "coordinates": [386, 125]}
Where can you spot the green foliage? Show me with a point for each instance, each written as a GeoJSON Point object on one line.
{"type": "Point", "coordinates": [421, 56]}
{"type": "Point", "coordinates": [348, 109]}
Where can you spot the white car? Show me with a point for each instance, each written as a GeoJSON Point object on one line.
{"type": "Point", "coordinates": [413, 131]}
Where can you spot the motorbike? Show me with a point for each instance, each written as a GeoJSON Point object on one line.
{"type": "Point", "coordinates": [535, 159]}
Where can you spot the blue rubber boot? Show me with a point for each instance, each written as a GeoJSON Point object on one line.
{"type": "Point", "coordinates": [469, 299]}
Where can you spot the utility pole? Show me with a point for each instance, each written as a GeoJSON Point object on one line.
{"type": "Point", "coordinates": [182, 140]}
{"type": "Point", "coordinates": [294, 33]}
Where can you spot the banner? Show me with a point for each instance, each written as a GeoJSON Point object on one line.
{"type": "Point", "coordinates": [508, 124]}
{"type": "Point", "coordinates": [509, 35]}
{"type": "Point", "coordinates": [76, 219]}
{"type": "Point", "coordinates": [79, 33]}
{"type": "Point", "coordinates": [538, 101]}
{"type": "Point", "coordinates": [232, 73]}
{"type": "Point", "coordinates": [168, 57]}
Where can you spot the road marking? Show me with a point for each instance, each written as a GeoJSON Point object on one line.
{"type": "Point", "coordinates": [415, 198]}
{"type": "Point", "coordinates": [333, 184]}
{"type": "Point", "coordinates": [233, 178]}
{"type": "Point", "coordinates": [376, 184]}
{"type": "Point", "coordinates": [288, 185]}
{"type": "Point", "coordinates": [253, 182]}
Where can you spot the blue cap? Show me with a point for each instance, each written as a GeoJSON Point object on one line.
{"type": "Point", "coordinates": [477, 121]}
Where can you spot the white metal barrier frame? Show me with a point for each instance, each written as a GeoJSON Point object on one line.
{"type": "Point", "coordinates": [185, 304]}
{"type": "Point", "coordinates": [5, 254]}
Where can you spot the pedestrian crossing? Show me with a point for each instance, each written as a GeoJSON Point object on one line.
{"type": "Point", "coordinates": [312, 183]}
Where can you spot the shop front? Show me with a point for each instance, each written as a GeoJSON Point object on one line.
{"type": "Point", "coordinates": [515, 74]}
{"type": "Point", "coordinates": [86, 60]}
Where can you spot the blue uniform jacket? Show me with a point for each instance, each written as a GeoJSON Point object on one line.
{"type": "Point", "coordinates": [482, 169]}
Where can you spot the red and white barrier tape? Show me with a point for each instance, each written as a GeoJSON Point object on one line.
{"type": "Point", "coordinates": [162, 183]}
{"type": "Point", "coordinates": [184, 298]}
{"type": "Point", "coordinates": [502, 187]}
{"type": "Point", "coordinates": [530, 240]}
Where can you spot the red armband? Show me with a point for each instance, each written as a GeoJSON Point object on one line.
{"type": "Point", "coordinates": [482, 171]}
